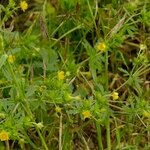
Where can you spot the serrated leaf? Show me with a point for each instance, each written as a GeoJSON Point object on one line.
{"type": "Point", "coordinates": [123, 70]}
{"type": "Point", "coordinates": [30, 91]}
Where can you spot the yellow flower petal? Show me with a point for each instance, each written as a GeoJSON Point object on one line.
{"type": "Point", "coordinates": [23, 5]}
{"type": "Point", "coordinates": [86, 114]}
{"type": "Point", "coordinates": [115, 96]}
{"type": "Point", "coordinates": [11, 59]}
{"type": "Point", "coordinates": [101, 46]}
{"type": "Point", "coordinates": [61, 75]}
{"type": "Point", "coordinates": [4, 136]}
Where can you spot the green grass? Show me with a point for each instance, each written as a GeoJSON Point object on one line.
{"type": "Point", "coordinates": [62, 64]}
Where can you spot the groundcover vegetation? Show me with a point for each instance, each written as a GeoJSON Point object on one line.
{"type": "Point", "coordinates": [75, 75]}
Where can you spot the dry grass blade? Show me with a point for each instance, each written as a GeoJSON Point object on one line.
{"type": "Point", "coordinates": [43, 27]}
{"type": "Point", "coordinates": [116, 28]}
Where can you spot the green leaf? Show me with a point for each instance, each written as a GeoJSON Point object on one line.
{"type": "Point", "coordinates": [2, 60]}
{"type": "Point", "coordinates": [1, 44]}
{"type": "Point", "coordinates": [50, 58]}
{"type": "Point", "coordinates": [124, 71]}
{"type": "Point", "coordinates": [30, 91]}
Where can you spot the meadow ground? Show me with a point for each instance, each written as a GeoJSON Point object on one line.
{"type": "Point", "coordinates": [75, 75]}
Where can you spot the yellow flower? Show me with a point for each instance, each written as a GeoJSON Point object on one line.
{"type": "Point", "coordinates": [101, 46]}
{"type": "Point", "coordinates": [115, 96]}
{"type": "Point", "coordinates": [58, 109]}
{"type": "Point", "coordinates": [146, 114]}
{"type": "Point", "coordinates": [86, 114]}
{"type": "Point", "coordinates": [11, 59]}
{"type": "Point", "coordinates": [61, 75]}
{"type": "Point", "coordinates": [23, 5]}
{"type": "Point", "coordinates": [4, 136]}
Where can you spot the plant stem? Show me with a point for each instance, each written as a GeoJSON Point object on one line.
{"type": "Point", "coordinates": [117, 135]}
{"type": "Point", "coordinates": [108, 119]}
{"type": "Point", "coordinates": [42, 139]}
{"type": "Point", "coordinates": [99, 136]}
{"type": "Point", "coordinates": [7, 145]}
{"type": "Point", "coordinates": [60, 133]}
{"type": "Point", "coordinates": [108, 134]}
{"type": "Point", "coordinates": [106, 70]}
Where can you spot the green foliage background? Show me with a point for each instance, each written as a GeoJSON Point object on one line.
{"type": "Point", "coordinates": [62, 35]}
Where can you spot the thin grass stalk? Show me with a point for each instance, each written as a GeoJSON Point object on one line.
{"type": "Point", "coordinates": [108, 134]}
{"type": "Point", "coordinates": [117, 135]}
{"type": "Point", "coordinates": [99, 136]}
{"type": "Point", "coordinates": [108, 119]}
{"type": "Point", "coordinates": [42, 139]}
{"type": "Point", "coordinates": [60, 133]}
{"type": "Point", "coordinates": [7, 145]}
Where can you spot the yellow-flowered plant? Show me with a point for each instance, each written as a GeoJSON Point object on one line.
{"type": "Point", "coordinates": [58, 109]}
{"type": "Point", "coordinates": [115, 95]}
{"type": "Point", "coordinates": [23, 5]}
{"type": "Point", "coordinates": [101, 46]}
{"type": "Point", "coordinates": [4, 136]}
{"type": "Point", "coordinates": [61, 75]}
{"type": "Point", "coordinates": [86, 114]}
{"type": "Point", "coordinates": [11, 59]}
